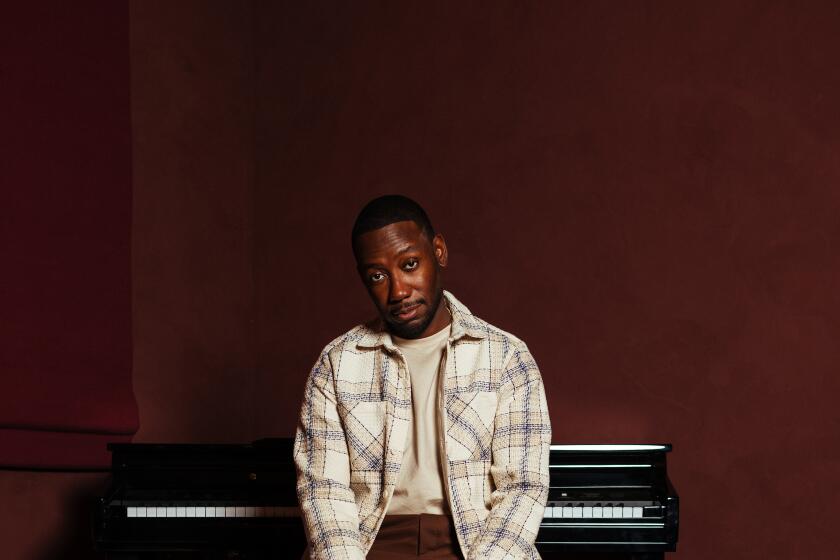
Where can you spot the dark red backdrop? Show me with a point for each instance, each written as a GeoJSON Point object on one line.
{"type": "Point", "coordinates": [644, 192]}
{"type": "Point", "coordinates": [65, 287]}
{"type": "Point", "coordinates": [65, 266]}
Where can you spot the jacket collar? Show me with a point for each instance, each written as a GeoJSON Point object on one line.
{"type": "Point", "coordinates": [464, 324]}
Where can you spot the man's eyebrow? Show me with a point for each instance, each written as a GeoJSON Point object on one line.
{"type": "Point", "coordinates": [405, 249]}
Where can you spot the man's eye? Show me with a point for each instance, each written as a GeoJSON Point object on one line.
{"type": "Point", "coordinates": [411, 265]}
{"type": "Point", "coordinates": [376, 277]}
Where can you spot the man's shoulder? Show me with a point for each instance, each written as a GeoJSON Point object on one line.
{"type": "Point", "coordinates": [479, 328]}
{"type": "Point", "coordinates": [351, 338]}
{"type": "Point", "coordinates": [499, 335]}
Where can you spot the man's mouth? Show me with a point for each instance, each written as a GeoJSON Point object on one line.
{"type": "Point", "coordinates": [406, 312]}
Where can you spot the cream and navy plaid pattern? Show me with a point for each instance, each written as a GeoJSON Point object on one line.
{"type": "Point", "coordinates": [495, 433]}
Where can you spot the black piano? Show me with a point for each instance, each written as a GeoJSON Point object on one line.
{"type": "Point", "coordinates": [184, 501]}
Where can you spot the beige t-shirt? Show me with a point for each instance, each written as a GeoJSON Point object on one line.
{"type": "Point", "coordinates": [420, 484]}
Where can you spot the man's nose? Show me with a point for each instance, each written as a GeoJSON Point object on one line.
{"type": "Point", "coordinates": [399, 289]}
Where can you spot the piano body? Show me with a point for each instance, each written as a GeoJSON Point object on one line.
{"type": "Point", "coordinates": [609, 501]}
{"type": "Point", "coordinates": [226, 501]}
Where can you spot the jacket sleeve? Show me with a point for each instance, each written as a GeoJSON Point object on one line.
{"type": "Point", "coordinates": [521, 444]}
{"type": "Point", "coordinates": [327, 503]}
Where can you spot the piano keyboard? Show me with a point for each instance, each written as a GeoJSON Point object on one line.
{"type": "Point", "coordinates": [148, 511]}
{"type": "Point", "coordinates": [570, 510]}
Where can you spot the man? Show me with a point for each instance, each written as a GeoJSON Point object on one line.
{"type": "Point", "coordinates": [425, 433]}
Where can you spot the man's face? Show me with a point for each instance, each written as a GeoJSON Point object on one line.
{"type": "Point", "coordinates": [400, 268]}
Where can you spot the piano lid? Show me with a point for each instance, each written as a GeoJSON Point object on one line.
{"type": "Point", "coordinates": [613, 448]}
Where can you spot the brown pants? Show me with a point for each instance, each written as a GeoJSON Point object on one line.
{"type": "Point", "coordinates": [409, 536]}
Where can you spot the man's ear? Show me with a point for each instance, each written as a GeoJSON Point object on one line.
{"type": "Point", "coordinates": [441, 252]}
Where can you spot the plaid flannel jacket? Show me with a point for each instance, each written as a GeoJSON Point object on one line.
{"type": "Point", "coordinates": [495, 437]}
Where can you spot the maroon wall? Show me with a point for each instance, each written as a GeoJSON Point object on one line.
{"type": "Point", "coordinates": [65, 267]}
{"type": "Point", "coordinates": [65, 214]}
{"type": "Point", "coordinates": [193, 114]}
{"type": "Point", "coordinates": [644, 192]}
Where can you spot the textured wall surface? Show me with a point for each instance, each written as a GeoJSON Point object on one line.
{"type": "Point", "coordinates": [193, 114]}
{"type": "Point", "coordinates": [645, 192]}
{"type": "Point", "coordinates": [65, 267]}
{"type": "Point", "coordinates": [65, 233]}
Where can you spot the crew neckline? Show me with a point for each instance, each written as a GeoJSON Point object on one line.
{"type": "Point", "coordinates": [430, 340]}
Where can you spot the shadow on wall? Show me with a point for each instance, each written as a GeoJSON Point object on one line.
{"type": "Point", "coordinates": [74, 538]}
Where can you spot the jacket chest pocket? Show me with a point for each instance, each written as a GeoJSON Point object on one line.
{"type": "Point", "coordinates": [364, 425]}
{"type": "Point", "coordinates": [470, 419]}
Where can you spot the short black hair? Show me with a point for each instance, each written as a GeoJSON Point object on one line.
{"type": "Point", "coordinates": [389, 209]}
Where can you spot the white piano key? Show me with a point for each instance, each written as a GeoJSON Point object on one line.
{"type": "Point", "coordinates": [151, 511]}
{"type": "Point", "coordinates": [205, 511]}
{"type": "Point", "coordinates": [259, 511]}
{"type": "Point", "coordinates": [161, 511]}
{"type": "Point", "coordinates": [180, 511]}
{"type": "Point", "coordinates": [567, 511]}
{"type": "Point", "coordinates": [141, 511]}
{"type": "Point", "coordinates": [190, 511]}
{"type": "Point", "coordinates": [221, 511]}
{"type": "Point", "coordinates": [587, 511]}
{"type": "Point", "coordinates": [131, 511]}
{"type": "Point", "coordinates": [627, 513]}
{"type": "Point", "coordinates": [230, 511]}
{"type": "Point", "coordinates": [608, 511]}
{"type": "Point", "coordinates": [617, 511]}
{"type": "Point", "coordinates": [239, 511]}
{"type": "Point", "coordinates": [249, 511]}
{"type": "Point", "coordinates": [549, 512]}
{"type": "Point", "coordinates": [597, 511]}
{"type": "Point", "coordinates": [637, 512]}
{"type": "Point", "coordinates": [577, 511]}
{"type": "Point", "coordinates": [171, 512]}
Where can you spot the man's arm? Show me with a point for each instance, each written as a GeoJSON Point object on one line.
{"type": "Point", "coordinates": [327, 502]}
{"type": "Point", "coordinates": [521, 444]}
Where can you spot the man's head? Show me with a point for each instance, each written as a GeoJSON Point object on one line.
{"type": "Point", "coordinates": [399, 258]}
